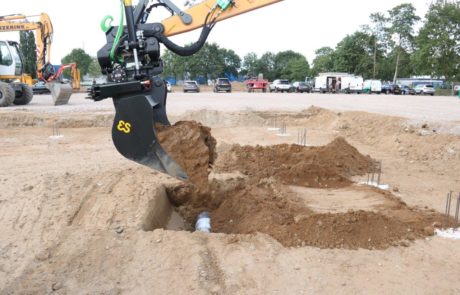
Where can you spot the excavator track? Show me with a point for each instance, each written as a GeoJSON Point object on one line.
{"type": "Point", "coordinates": [60, 92]}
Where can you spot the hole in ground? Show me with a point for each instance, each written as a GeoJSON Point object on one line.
{"type": "Point", "coordinates": [249, 192]}
{"type": "Point", "coordinates": [380, 221]}
{"type": "Point", "coordinates": [160, 213]}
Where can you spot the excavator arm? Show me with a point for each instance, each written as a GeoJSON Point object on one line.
{"type": "Point", "coordinates": [131, 61]}
{"type": "Point", "coordinates": [175, 25]}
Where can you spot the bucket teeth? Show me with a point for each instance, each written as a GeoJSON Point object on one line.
{"type": "Point", "coordinates": [60, 92]}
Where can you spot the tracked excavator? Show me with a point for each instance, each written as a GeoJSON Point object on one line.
{"type": "Point", "coordinates": [14, 82]}
{"type": "Point", "coordinates": [131, 61]}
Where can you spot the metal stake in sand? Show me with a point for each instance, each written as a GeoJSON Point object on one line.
{"type": "Point", "coordinates": [56, 131]}
{"type": "Point", "coordinates": [379, 171]}
{"type": "Point", "coordinates": [373, 174]}
{"type": "Point", "coordinates": [274, 124]}
{"type": "Point", "coordinates": [302, 137]}
{"type": "Point", "coordinates": [283, 128]}
{"type": "Point", "coordinates": [448, 201]}
{"type": "Point", "coordinates": [457, 208]}
{"type": "Point", "coordinates": [368, 176]}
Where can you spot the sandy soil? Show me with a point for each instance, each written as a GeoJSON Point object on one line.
{"type": "Point", "coordinates": [77, 218]}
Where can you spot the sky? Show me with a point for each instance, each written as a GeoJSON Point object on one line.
{"type": "Point", "coordinates": [298, 25]}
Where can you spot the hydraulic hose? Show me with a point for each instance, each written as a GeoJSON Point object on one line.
{"type": "Point", "coordinates": [119, 33]}
{"type": "Point", "coordinates": [187, 50]}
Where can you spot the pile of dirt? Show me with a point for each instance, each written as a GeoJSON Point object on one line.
{"type": "Point", "coordinates": [259, 202]}
{"type": "Point", "coordinates": [293, 225]}
{"type": "Point", "coordinates": [327, 166]}
{"type": "Point", "coordinates": [192, 146]}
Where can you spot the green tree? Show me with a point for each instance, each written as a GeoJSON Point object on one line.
{"type": "Point", "coordinates": [402, 20]}
{"type": "Point", "coordinates": [28, 48]}
{"type": "Point", "coordinates": [282, 61]}
{"type": "Point", "coordinates": [438, 41]}
{"type": "Point", "coordinates": [297, 69]}
{"type": "Point", "coordinates": [210, 62]}
{"type": "Point", "coordinates": [324, 61]}
{"type": "Point", "coordinates": [378, 33]}
{"type": "Point", "coordinates": [174, 65]}
{"type": "Point", "coordinates": [354, 54]}
{"type": "Point", "coordinates": [250, 64]}
{"type": "Point", "coordinates": [232, 62]}
{"type": "Point", "coordinates": [81, 58]}
{"type": "Point", "coordinates": [266, 66]}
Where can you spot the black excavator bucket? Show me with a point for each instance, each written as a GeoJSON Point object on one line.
{"type": "Point", "coordinates": [134, 136]}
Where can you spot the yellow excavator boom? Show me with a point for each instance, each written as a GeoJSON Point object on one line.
{"type": "Point", "coordinates": [43, 33]}
{"type": "Point", "coordinates": [174, 25]}
{"type": "Point", "coordinates": [43, 29]}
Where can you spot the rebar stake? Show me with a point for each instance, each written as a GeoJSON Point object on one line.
{"type": "Point", "coordinates": [447, 213]}
{"type": "Point", "coordinates": [56, 130]}
{"type": "Point", "coordinates": [379, 171]}
{"type": "Point", "coordinates": [283, 128]}
{"type": "Point", "coordinates": [457, 208]}
{"type": "Point", "coordinates": [302, 137]}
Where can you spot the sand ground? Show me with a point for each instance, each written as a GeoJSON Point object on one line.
{"type": "Point", "coordinates": [78, 218]}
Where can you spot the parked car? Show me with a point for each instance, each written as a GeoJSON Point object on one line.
{"type": "Point", "coordinates": [301, 87]}
{"type": "Point", "coordinates": [222, 84]}
{"type": "Point", "coordinates": [391, 88]}
{"type": "Point", "coordinates": [168, 86]}
{"type": "Point", "coordinates": [406, 90]}
{"type": "Point", "coordinates": [280, 85]}
{"type": "Point", "coordinates": [191, 86]}
{"type": "Point", "coordinates": [40, 88]}
{"type": "Point", "coordinates": [427, 89]}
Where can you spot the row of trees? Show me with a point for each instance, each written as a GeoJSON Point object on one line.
{"type": "Point", "coordinates": [212, 62]}
{"type": "Point", "coordinates": [389, 48]}
{"type": "Point", "coordinates": [386, 48]}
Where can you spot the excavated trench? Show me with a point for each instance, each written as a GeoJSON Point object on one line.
{"type": "Point", "coordinates": [300, 196]}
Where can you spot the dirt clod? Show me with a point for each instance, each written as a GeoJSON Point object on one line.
{"type": "Point", "coordinates": [191, 145]}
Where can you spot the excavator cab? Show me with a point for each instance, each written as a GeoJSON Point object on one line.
{"type": "Point", "coordinates": [131, 61]}
{"type": "Point", "coordinates": [14, 88]}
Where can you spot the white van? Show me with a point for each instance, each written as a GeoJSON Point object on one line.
{"type": "Point", "coordinates": [352, 84]}
{"type": "Point", "coordinates": [372, 86]}
{"type": "Point", "coordinates": [338, 82]}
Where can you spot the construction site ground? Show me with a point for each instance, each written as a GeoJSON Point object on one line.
{"type": "Point", "coordinates": [78, 218]}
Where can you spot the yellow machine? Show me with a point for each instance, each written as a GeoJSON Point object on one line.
{"type": "Point", "coordinates": [131, 61]}
{"type": "Point", "coordinates": [15, 84]}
